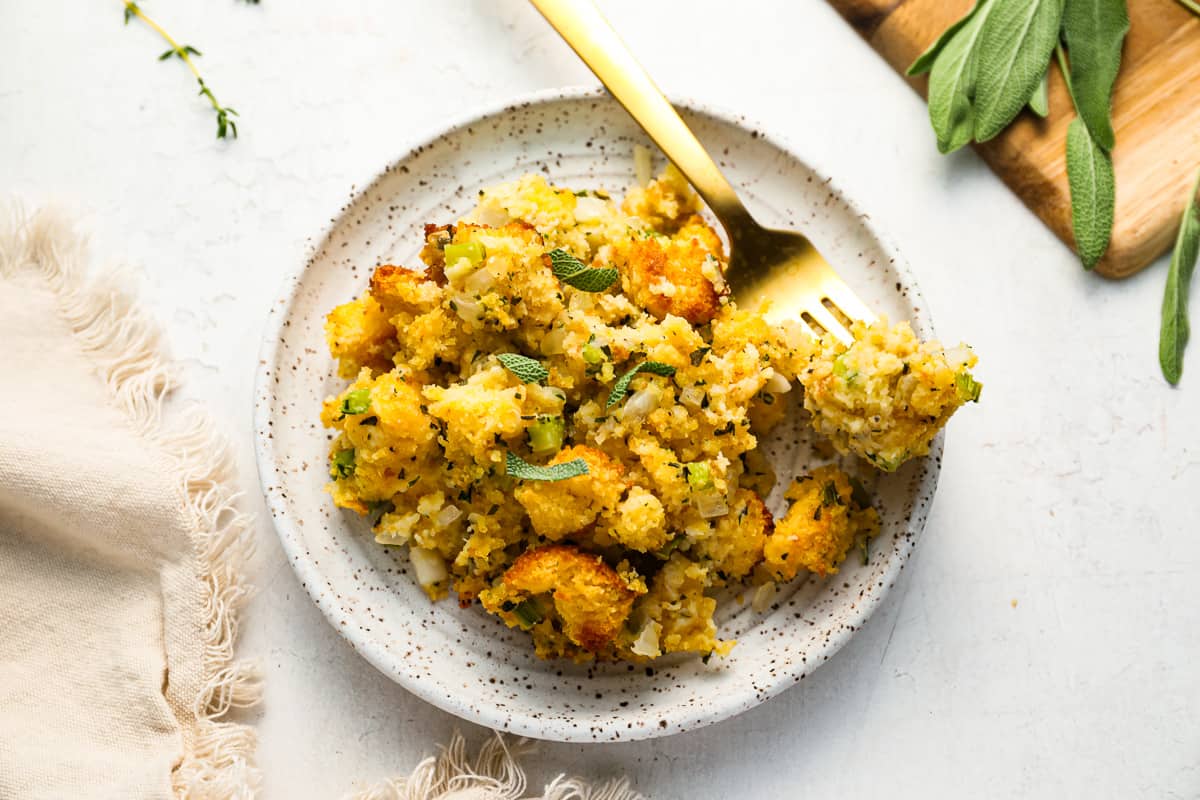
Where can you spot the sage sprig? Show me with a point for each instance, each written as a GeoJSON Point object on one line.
{"type": "Point", "coordinates": [1095, 31]}
{"type": "Point", "coordinates": [1174, 333]}
{"type": "Point", "coordinates": [995, 61]}
{"type": "Point", "coordinates": [526, 369]}
{"type": "Point", "coordinates": [1093, 193]}
{"type": "Point", "coordinates": [226, 126]}
{"type": "Point", "coordinates": [519, 468]}
{"type": "Point", "coordinates": [1016, 41]}
{"type": "Point", "coordinates": [952, 82]}
{"type": "Point", "coordinates": [573, 272]}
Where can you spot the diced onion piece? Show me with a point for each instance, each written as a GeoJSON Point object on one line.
{"type": "Point", "coordinates": [763, 597]}
{"type": "Point", "coordinates": [553, 343]}
{"type": "Point", "coordinates": [646, 644]}
{"type": "Point", "coordinates": [448, 515]}
{"type": "Point", "coordinates": [643, 170]}
{"type": "Point", "coordinates": [589, 209]}
{"type": "Point", "coordinates": [546, 395]}
{"type": "Point", "coordinates": [458, 270]}
{"type": "Point", "coordinates": [777, 384]}
{"type": "Point", "coordinates": [480, 281]}
{"type": "Point", "coordinates": [429, 566]}
{"type": "Point", "coordinates": [711, 504]}
{"type": "Point", "coordinates": [641, 403]}
{"type": "Point", "coordinates": [692, 396]}
{"type": "Point", "coordinates": [467, 310]}
{"type": "Point", "coordinates": [491, 214]}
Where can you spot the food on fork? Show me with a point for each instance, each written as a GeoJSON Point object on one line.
{"type": "Point", "coordinates": [560, 414]}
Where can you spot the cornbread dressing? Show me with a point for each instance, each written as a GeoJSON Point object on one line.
{"type": "Point", "coordinates": [493, 427]}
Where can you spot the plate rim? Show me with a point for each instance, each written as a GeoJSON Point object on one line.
{"type": "Point", "coordinates": [310, 577]}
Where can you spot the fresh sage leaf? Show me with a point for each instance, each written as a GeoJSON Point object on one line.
{"type": "Point", "coordinates": [1174, 334]}
{"type": "Point", "coordinates": [622, 386]}
{"type": "Point", "coordinates": [1093, 193]}
{"type": "Point", "coordinates": [573, 272]}
{"type": "Point", "coordinates": [1015, 43]}
{"type": "Point", "coordinates": [925, 61]}
{"type": "Point", "coordinates": [519, 468]}
{"type": "Point", "coordinates": [526, 369]}
{"type": "Point", "coordinates": [1095, 32]}
{"type": "Point", "coordinates": [1039, 103]}
{"type": "Point", "coordinates": [1191, 5]}
{"type": "Point", "coordinates": [952, 84]}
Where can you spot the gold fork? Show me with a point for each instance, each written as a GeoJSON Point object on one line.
{"type": "Point", "coordinates": [782, 266]}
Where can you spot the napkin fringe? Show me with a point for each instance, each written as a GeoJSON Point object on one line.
{"type": "Point", "coordinates": [496, 774]}
{"type": "Point", "coordinates": [127, 348]}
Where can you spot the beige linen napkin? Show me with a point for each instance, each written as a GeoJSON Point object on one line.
{"type": "Point", "coordinates": [119, 549]}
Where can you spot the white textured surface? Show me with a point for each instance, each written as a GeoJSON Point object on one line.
{"type": "Point", "coordinates": [1072, 489]}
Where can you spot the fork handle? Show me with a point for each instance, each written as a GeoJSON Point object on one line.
{"type": "Point", "coordinates": [583, 27]}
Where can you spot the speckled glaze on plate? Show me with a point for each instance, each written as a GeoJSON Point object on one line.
{"type": "Point", "coordinates": [462, 660]}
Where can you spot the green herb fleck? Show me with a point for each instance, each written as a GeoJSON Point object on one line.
{"type": "Point", "coordinates": [829, 495]}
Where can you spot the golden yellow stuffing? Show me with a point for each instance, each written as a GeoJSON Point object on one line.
{"type": "Point", "coordinates": [887, 395]}
{"type": "Point", "coordinates": [492, 426]}
{"type": "Point", "coordinates": [822, 524]}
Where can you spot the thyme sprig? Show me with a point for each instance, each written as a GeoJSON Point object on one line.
{"type": "Point", "coordinates": [226, 126]}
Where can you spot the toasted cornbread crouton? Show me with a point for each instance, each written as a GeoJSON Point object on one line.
{"type": "Point", "coordinates": [557, 508]}
{"type": "Point", "coordinates": [360, 335]}
{"type": "Point", "coordinates": [822, 524]}
{"type": "Point", "coordinates": [735, 545]}
{"type": "Point", "coordinates": [680, 275]}
{"type": "Point", "coordinates": [887, 395]}
{"type": "Point", "coordinates": [664, 203]}
{"type": "Point", "coordinates": [588, 599]}
{"type": "Point", "coordinates": [639, 522]}
{"type": "Point", "coordinates": [675, 615]}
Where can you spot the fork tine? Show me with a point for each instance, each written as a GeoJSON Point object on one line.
{"type": "Point", "coordinates": [847, 301]}
{"type": "Point", "coordinates": [830, 323]}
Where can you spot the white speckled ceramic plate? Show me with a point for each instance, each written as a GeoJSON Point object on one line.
{"type": "Point", "coordinates": [461, 659]}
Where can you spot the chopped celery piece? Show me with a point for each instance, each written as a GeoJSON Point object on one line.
{"type": "Point", "coordinates": [593, 355]}
{"type": "Point", "coordinates": [471, 251]}
{"type": "Point", "coordinates": [546, 435]}
{"type": "Point", "coordinates": [968, 388]}
{"type": "Point", "coordinates": [527, 613]}
{"type": "Point", "coordinates": [843, 370]}
{"type": "Point", "coordinates": [343, 464]}
{"type": "Point", "coordinates": [699, 476]}
{"type": "Point", "coordinates": [356, 402]}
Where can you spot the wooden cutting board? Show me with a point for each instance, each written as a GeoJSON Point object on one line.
{"type": "Point", "coordinates": [1156, 116]}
